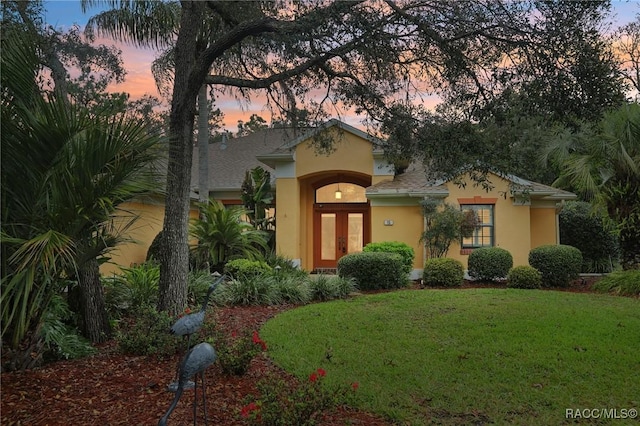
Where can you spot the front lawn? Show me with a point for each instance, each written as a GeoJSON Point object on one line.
{"type": "Point", "coordinates": [477, 356]}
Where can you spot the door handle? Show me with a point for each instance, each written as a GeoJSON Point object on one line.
{"type": "Point", "coordinates": [342, 244]}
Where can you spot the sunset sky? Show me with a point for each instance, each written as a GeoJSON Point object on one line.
{"type": "Point", "coordinates": [137, 62]}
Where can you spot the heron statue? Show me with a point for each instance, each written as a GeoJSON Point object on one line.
{"type": "Point", "coordinates": [189, 324]}
{"type": "Point", "coordinates": [197, 360]}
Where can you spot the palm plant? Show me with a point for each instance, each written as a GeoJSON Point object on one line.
{"type": "Point", "coordinates": [222, 235]}
{"type": "Point", "coordinates": [602, 164]}
{"type": "Point", "coordinates": [65, 171]}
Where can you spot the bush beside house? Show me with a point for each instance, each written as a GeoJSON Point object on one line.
{"type": "Point", "coordinates": [558, 264]}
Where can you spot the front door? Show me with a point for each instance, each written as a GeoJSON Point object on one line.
{"type": "Point", "coordinates": [339, 229]}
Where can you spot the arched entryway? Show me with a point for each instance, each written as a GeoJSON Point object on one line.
{"type": "Point", "coordinates": [341, 219]}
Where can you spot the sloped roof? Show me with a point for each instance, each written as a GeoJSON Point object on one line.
{"type": "Point", "coordinates": [413, 183]}
{"type": "Point", "coordinates": [229, 161]}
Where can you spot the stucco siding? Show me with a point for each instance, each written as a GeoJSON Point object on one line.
{"type": "Point", "coordinates": [404, 224]}
{"type": "Point", "coordinates": [352, 153]}
{"type": "Point", "coordinates": [543, 226]}
{"type": "Point", "coordinates": [511, 220]}
{"type": "Point", "coordinates": [142, 232]}
{"type": "Point", "coordinates": [288, 219]}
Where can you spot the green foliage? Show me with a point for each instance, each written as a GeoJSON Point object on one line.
{"type": "Point", "coordinates": [255, 290]}
{"type": "Point", "coordinates": [524, 276]}
{"type": "Point", "coordinates": [558, 264]}
{"type": "Point", "coordinates": [134, 288]}
{"type": "Point", "coordinates": [257, 197]}
{"type": "Point", "coordinates": [282, 403]}
{"type": "Point", "coordinates": [590, 233]}
{"type": "Point", "coordinates": [147, 333]}
{"type": "Point", "coordinates": [235, 353]}
{"type": "Point", "coordinates": [404, 250]}
{"type": "Point", "coordinates": [198, 283]}
{"type": "Point", "coordinates": [328, 287]}
{"type": "Point", "coordinates": [292, 288]}
{"type": "Point", "coordinates": [242, 269]}
{"type": "Point", "coordinates": [443, 272]}
{"type": "Point", "coordinates": [623, 283]}
{"type": "Point", "coordinates": [61, 340]}
{"type": "Point", "coordinates": [444, 224]}
{"type": "Point", "coordinates": [489, 263]}
{"type": "Point", "coordinates": [223, 236]}
{"type": "Point", "coordinates": [373, 270]}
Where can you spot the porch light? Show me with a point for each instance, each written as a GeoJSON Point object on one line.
{"type": "Point", "coordinates": [338, 193]}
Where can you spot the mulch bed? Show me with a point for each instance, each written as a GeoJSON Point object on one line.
{"type": "Point", "coordinates": [114, 389]}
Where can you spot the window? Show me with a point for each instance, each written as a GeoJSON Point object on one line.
{"type": "Point", "coordinates": [483, 235]}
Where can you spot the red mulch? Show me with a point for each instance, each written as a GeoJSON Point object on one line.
{"type": "Point", "coordinates": [114, 389]}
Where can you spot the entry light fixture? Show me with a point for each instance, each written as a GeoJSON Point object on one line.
{"type": "Point", "coordinates": [338, 193]}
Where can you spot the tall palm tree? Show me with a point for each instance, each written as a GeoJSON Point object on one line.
{"type": "Point", "coordinates": [602, 164]}
{"type": "Point", "coordinates": [65, 172]}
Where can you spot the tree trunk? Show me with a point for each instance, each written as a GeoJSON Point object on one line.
{"type": "Point", "coordinates": [203, 145]}
{"type": "Point", "coordinates": [174, 266]}
{"type": "Point", "coordinates": [94, 312]}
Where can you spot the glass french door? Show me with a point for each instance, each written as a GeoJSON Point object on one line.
{"type": "Point", "coordinates": [337, 233]}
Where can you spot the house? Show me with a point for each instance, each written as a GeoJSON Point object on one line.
{"type": "Point", "coordinates": [328, 205]}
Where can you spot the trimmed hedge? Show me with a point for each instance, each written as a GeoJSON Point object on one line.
{"type": "Point", "coordinates": [524, 277]}
{"type": "Point", "coordinates": [404, 250]}
{"type": "Point", "coordinates": [489, 263]}
{"type": "Point", "coordinates": [373, 270]}
{"type": "Point", "coordinates": [443, 272]}
{"type": "Point", "coordinates": [558, 264]}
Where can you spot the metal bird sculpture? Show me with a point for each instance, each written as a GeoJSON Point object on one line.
{"type": "Point", "coordinates": [189, 324]}
{"type": "Point", "coordinates": [197, 360]}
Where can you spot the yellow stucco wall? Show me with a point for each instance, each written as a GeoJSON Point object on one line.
{"type": "Point", "coordinates": [352, 153]}
{"type": "Point", "coordinates": [408, 224]}
{"type": "Point", "coordinates": [544, 222]}
{"type": "Point", "coordinates": [288, 218]}
{"type": "Point", "coordinates": [511, 220]}
{"type": "Point", "coordinates": [143, 231]}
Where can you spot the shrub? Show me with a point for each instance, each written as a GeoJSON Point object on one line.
{"type": "Point", "coordinates": [61, 340]}
{"type": "Point", "coordinates": [282, 402]}
{"type": "Point", "coordinates": [255, 290]}
{"type": "Point", "coordinates": [134, 288]}
{"type": "Point", "coordinates": [291, 288]}
{"type": "Point", "coordinates": [590, 233]}
{"type": "Point", "coordinates": [443, 272]}
{"type": "Point", "coordinates": [242, 269]}
{"type": "Point", "coordinates": [404, 250]}
{"type": "Point", "coordinates": [623, 283]}
{"type": "Point", "coordinates": [235, 353]}
{"type": "Point", "coordinates": [147, 334]}
{"type": "Point", "coordinates": [373, 270]}
{"type": "Point", "coordinates": [524, 277]}
{"type": "Point", "coordinates": [489, 263]}
{"type": "Point", "coordinates": [326, 287]}
{"type": "Point", "coordinates": [558, 264]}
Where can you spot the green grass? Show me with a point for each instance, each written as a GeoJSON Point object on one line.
{"type": "Point", "coordinates": [499, 356]}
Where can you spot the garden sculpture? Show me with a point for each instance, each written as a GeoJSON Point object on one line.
{"type": "Point", "coordinates": [189, 324]}
{"type": "Point", "coordinates": [194, 363]}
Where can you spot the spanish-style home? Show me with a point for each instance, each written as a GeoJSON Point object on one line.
{"type": "Point", "coordinates": [328, 205]}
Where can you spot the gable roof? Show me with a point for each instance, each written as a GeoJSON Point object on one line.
{"type": "Point", "coordinates": [413, 183]}
{"type": "Point", "coordinates": [285, 151]}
